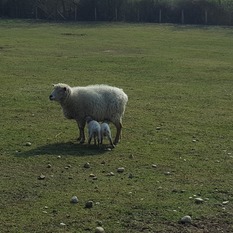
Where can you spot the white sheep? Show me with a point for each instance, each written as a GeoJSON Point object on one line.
{"type": "Point", "coordinates": [94, 130]}
{"type": "Point", "coordinates": [101, 102]}
{"type": "Point", "coordinates": [106, 132]}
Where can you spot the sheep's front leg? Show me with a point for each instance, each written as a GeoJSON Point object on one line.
{"type": "Point", "coordinates": [118, 133]}
{"type": "Point", "coordinates": [81, 126]}
{"type": "Point", "coordinates": [110, 140]}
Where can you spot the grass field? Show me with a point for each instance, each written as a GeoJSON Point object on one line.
{"type": "Point", "coordinates": [179, 117]}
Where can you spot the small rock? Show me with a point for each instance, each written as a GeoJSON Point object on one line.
{"type": "Point", "coordinates": [59, 156]}
{"type": "Point", "coordinates": [62, 224]}
{"type": "Point", "coordinates": [225, 202]}
{"type": "Point", "coordinates": [28, 144]}
{"type": "Point", "coordinates": [74, 200]}
{"type": "Point", "coordinates": [41, 177]}
{"type": "Point", "coordinates": [99, 223]}
{"type": "Point", "coordinates": [49, 165]}
{"type": "Point", "coordinates": [92, 175]}
{"type": "Point", "coordinates": [99, 230]}
{"type": "Point", "coordinates": [130, 175]}
{"type": "Point", "coordinates": [199, 200]}
{"type": "Point", "coordinates": [158, 128]}
{"type": "Point", "coordinates": [154, 165]}
{"type": "Point", "coordinates": [87, 165]}
{"type": "Point", "coordinates": [131, 156]}
{"type": "Point", "coordinates": [186, 219]}
{"type": "Point", "coordinates": [167, 173]}
{"type": "Point", "coordinates": [120, 169]}
{"type": "Point", "coordinates": [111, 174]}
{"type": "Point", "coordinates": [89, 204]}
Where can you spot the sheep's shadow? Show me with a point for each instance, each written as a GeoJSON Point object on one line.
{"type": "Point", "coordinates": [66, 149]}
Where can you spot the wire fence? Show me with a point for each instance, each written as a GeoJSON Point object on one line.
{"type": "Point", "coordinates": [206, 14]}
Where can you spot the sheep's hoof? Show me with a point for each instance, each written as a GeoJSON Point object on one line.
{"type": "Point", "coordinates": [81, 141]}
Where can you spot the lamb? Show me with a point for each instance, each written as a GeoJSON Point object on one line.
{"type": "Point", "coordinates": [101, 102]}
{"type": "Point", "coordinates": [93, 130]}
{"type": "Point", "coordinates": [106, 132]}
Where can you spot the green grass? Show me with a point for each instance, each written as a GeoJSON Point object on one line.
{"type": "Point", "coordinates": [178, 78]}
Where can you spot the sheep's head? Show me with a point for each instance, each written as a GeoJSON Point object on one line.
{"type": "Point", "coordinates": [60, 92]}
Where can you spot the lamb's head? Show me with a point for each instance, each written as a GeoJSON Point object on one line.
{"type": "Point", "coordinates": [60, 92]}
{"type": "Point", "coordinates": [88, 119]}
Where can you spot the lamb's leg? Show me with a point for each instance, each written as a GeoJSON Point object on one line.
{"type": "Point", "coordinates": [118, 133]}
{"type": "Point", "coordinates": [95, 140]}
{"type": "Point", "coordinates": [89, 140]}
{"type": "Point", "coordinates": [99, 139]}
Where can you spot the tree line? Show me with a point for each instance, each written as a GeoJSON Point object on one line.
{"type": "Point", "coordinates": [216, 12]}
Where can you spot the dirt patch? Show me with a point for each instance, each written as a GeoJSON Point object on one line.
{"type": "Point", "coordinates": [221, 224]}
{"type": "Point", "coordinates": [73, 34]}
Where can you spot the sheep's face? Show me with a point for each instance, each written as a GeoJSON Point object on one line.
{"type": "Point", "coordinates": [59, 93]}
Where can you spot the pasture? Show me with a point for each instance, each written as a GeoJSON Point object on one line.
{"type": "Point", "coordinates": [177, 142]}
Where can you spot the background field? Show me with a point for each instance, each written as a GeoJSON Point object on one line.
{"type": "Point", "coordinates": [179, 118]}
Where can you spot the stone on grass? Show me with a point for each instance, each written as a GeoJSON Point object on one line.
{"type": "Point", "coordinates": [41, 177]}
{"type": "Point", "coordinates": [74, 200]}
{"type": "Point", "coordinates": [87, 165]}
{"type": "Point", "coordinates": [120, 169]}
{"type": "Point", "coordinates": [28, 144]}
{"type": "Point", "coordinates": [99, 230]}
{"type": "Point", "coordinates": [167, 173]}
{"type": "Point", "coordinates": [110, 174]}
{"type": "Point", "coordinates": [131, 176]}
{"type": "Point", "coordinates": [186, 219]}
{"type": "Point", "coordinates": [199, 200]}
{"type": "Point", "coordinates": [225, 202]}
{"type": "Point", "coordinates": [89, 204]}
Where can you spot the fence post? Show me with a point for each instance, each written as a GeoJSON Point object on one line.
{"type": "Point", "coordinates": [160, 15]}
{"type": "Point", "coordinates": [182, 16]}
{"type": "Point", "coordinates": [206, 17]}
{"type": "Point", "coordinates": [75, 12]}
{"type": "Point", "coordinates": [36, 12]}
{"type": "Point", "coordinates": [116, 13]}
{"type": "Point", "coordinates": [95, 14]}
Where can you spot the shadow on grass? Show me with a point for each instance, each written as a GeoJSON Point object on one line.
{"type": "Point", "coordinates": [65, 149]}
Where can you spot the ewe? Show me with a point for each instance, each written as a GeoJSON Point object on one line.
{"type": "Point", "coordinates": [101, 102]}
